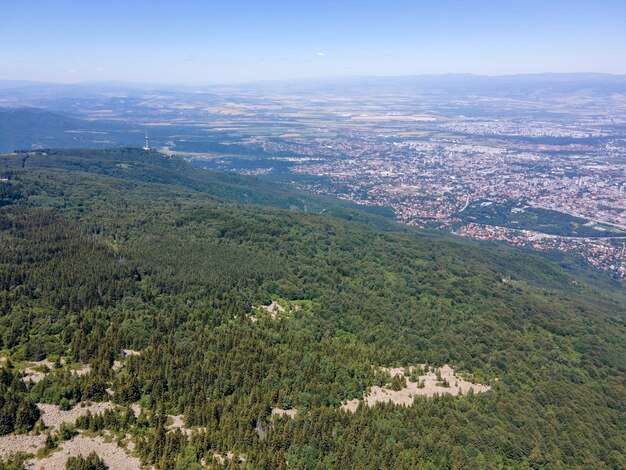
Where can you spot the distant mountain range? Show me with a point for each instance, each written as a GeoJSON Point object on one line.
{"type": "Point", "coordinates": [119, 107]}
{"type": "Point", "coordinates": [457, 82]}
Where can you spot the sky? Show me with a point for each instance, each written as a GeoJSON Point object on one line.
{"type": "Point", "coordinates": [230, 41]}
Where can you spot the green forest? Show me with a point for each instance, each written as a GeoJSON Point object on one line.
{"type": "Point", "coordinates": [523, 217]}
{"type": "Point", "coordinates": [110, 250]}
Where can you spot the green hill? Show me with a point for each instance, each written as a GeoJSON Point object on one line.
{"type": "Point", "coordinates": [110, 250]}
{"type": "Point", "coordinates": [153, 167]}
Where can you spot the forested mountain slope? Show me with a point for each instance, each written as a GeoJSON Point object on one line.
{"type": "Point", "coordinates": [105, 251]}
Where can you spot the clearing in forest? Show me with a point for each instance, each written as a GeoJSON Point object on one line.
{"type": "Point", "coordinates": [53, 416]}
{"type": "Point", "coordinates": [272, 309]}
{"type": "Point", "coordinates": [36, 371]}
{"type": "Point", "coordinates": [279, 412]}
{"type": "Point", "coordinates": [114, 457]}
{"type": "Point", "coordinates": [432, 382]}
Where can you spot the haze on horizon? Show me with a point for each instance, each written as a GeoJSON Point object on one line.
{"type": "Point", "coordinates": [194, 42]}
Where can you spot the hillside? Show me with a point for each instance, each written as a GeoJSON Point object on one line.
{"type": "Point", "coordinates": [258, 313]}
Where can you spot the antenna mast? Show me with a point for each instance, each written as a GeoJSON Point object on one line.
{"type": "Point", "coordinates": [147, 146]}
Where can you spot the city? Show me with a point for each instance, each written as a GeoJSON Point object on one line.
{"type": "Point", "coordinates": [312, 235]}
{"type": "Point", "coordinates": [543, 168]}
{"type": "Point", "coordinates": [566, 176]}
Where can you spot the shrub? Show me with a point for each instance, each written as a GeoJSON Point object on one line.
{"type": "Point", "coordinates": [91, 462]}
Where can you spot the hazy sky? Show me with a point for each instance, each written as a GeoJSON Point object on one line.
{"type": "Point", "coordinates": [234, 40]}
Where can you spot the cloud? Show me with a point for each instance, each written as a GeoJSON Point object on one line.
{"type": "Point", "coordinates": [99, 69]}
{"type": "Point", "coordinates": [72, 71]}
{"type": "Point", "coordinates": [320, 54]}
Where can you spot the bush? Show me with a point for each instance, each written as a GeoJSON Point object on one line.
{"type": "Point", "coordinates": [91, 462]}
{"type": "Point", "coordinates": [14, 461]}
{"type": "Point", "coordinates": [398, 382]}
{"type": "Point", "coordinates": [26, 416]}
{"type": "Point", "coordinates": [51, 442]}
{"type": "Point", "coordinates": [65, 405]}
{"type": "Point", "coordinates": [67, 431]}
